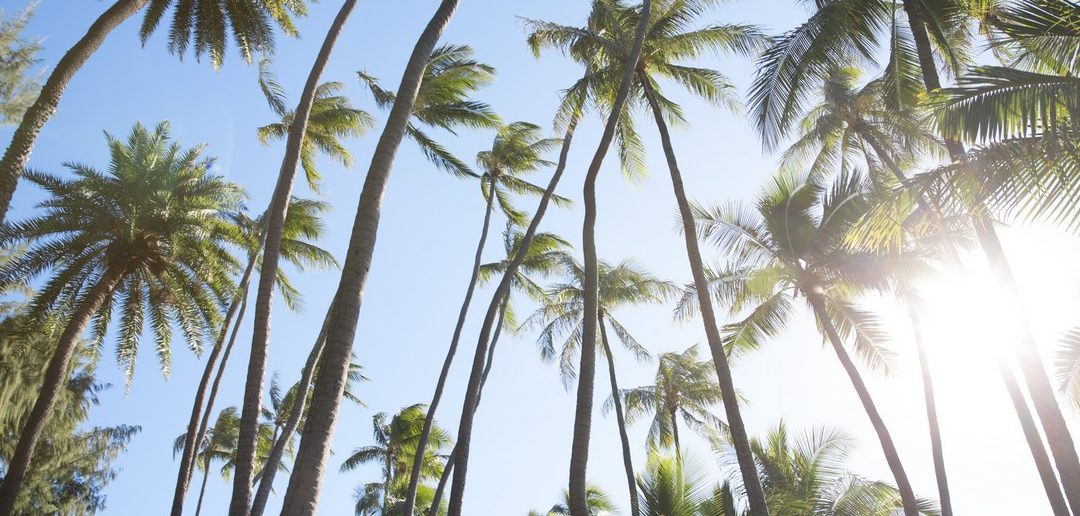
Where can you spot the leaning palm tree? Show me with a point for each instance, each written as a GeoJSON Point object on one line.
{"type": "Point", "coordinates": [275, 220]}
{"type": "Point", "coordinates": [685, 388]}
{"type": "Point", "coordinates": [203, 27]}
{"type": "Point", "coordinates": [560, 319]}
{"type": "Point", "coordinates": [303, 491]}
{"type": "Point", "coordinates": [790, 244]}
{"type": "Point", "coordinates": [517, 149]}
{"type": "Point", "coordinates": [669, 41]}
{"type": "Point", "coordinates": [303, 226]}
{"type": "Point", "coordinates": [146, 236]}
{"type": "Point", "coordinates": [444, 102]}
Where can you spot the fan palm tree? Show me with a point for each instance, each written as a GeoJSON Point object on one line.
{"type": "Point", "coordinates": [560, 321]}
{"type": "Point", "coordinates": [791, 244]}
{"type": "Point", "coordinates": [303, 227]}
{"type": "Point", "coordinates": [275, 220]}
{"type": "Point", "coordinates": [444, 102]}
{"type": "Point", "coordinates": [203, 27]}
{"type": "Point", "coordinates": [146, 236]}
{"type": "Point", "coordinates": [685, 388]}
{"type": "Point", "coordinates": [314, 445]}
{"type": "Point", "coordinates": [517, 149]}
{"type": "Point", "coordinates": [668, 42]}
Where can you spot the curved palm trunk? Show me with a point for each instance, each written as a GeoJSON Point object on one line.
{"type": "Point", "coordinates": [52, 384]}
{"type": "Point", "coordinates": [907, 495]}
{"type": "Point", "coordinates": [187, 458]}
{"type": "Point", "coordinates": [620, 418]}
{"type": "Point", "coordinates": [202, 490]}
{"type": "Point", "coordinates": [1038, 383]}
{"type": "Point", "coordinates": [472, 390]}
{"type": "Point", "coordinates": [275, 216]}
{"type": "Point", "coordinates": [747, 466]}
{"type": "Point", "coordinates": [304, 483]}
{"type": "Point", "coordinates": [22, 142]}
{"type": "Point", "coordinates": [1034, 440]}
{"type": "Point", "coordinates": [425, 433]}
{"type": "Point", "coordinates": [579, 450]}
{"type": "Point", "coordinates": [212, 397]}
{"type": "Point", "coordinates": [296, 412]}
{"type": "Point", "coordinates": [449, 468]}
{"type": "Point", "coordinates": [936, 449]}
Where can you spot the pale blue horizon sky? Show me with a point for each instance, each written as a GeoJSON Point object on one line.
{"type": "Point", "coordinates": [522, 436]}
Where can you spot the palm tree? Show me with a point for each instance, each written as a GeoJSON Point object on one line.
{"type": "Point", "coordinates": [396, 443]}
{"type": "Point", "coordinates": [302, 228]}
{"type": "Point", "coordinates": [668, 41]}
{"type": "Point", "coordinates": [791, 244]}
{"type": "Point", "coordinates": [303, 491]}
{"type": "Point", "coordinates": [517, 149]}
{"type": "Point", "coordinates": [684, 388]}
{"type": "Point", "coordinates": [250, 21]}
{"type": "Point", "coordinates": [672, 486]}
{"type": "Point", "coordinates": [275, 220]}
{"type": "Point", "coordinates": [560, 319]}
{"type": "Point", "coordinates": [19, 86]}
{"type": "Point", "coordinates": [597, 501]}
{"type": "Point", "coordinates": [147, 236]}
{"type": "Point", "coordinates": [444, 102]}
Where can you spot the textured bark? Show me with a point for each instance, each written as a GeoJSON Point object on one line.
{"type": "Point", "coordinates": [739, 440]}
{"type": "Point", "coordinates": [892, 456]}
{"type": "Point", "coordinates": [1034, 441]}
{"type": "Point", "coordinates": [472, 389]}
{"type": "Point", "coordinates": [306, 479]}
{"type": "Point", "coordinates": [22, 142]}
{"type": "Point", "coordinates": [275, 225]}
{"type": "Point", "coordinates": [296, 412]}
{"type": "Point", "coordinates": [936, 449]}
{"type": "Point", "coordinates": [620, 418]}
{"type": "Point", "coordinates": [54, 381]}
{"type": "Point", "coordinates": [579, 448]}
{"type": "Point", "coordinates": [429, 420]}
{"type": "Point", "coordinates": [188, 454]}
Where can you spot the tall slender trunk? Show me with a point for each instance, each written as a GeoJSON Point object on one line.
{"type": "Point", "coordinates": [202, 489]}
{"type": "Point", "coordinates": [22, 142]}
{"type": "Point", "coordinates": [620, 419]}
{"type": "Point", "coordinates": [579, 448]}
{"type": "Point", "coordinates": [425, 432]}
{"type": "Point", "coordinates": [472, 389]}
{"type": "Point", "coordinates": [275, 225]}
{"type": "Point", "coordinates": [936, 449]}
{"type": "Point", "coordinates": [1038, 383]}
{"type": "Point", "coordinates": [187, 458]}
{"type": "Point", "coordinates": [449, 468]}
{"type": "Point", "coordinates": [214, 387]}
{"type": "Point", "coordinates": [296, 412]}
{"type": "Point", "coordinates": [739, 440]}
{"type": "Point", "coordinates": [673, 414]}
{"type": "Point", "coordinates": [304, 483]}
{"type": "Point", "coordinates": [1034, 441]}
{"type": "Point", "coordinates": [54, 381]}
{"type": "Point", "coordinates": [892, 456]}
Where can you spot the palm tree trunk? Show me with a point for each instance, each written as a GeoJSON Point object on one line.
{"type": "Point", "coordinates": [472, 389]}
{"type": "Point", "coordinates": [673, 414]}
{"type": "Point", "coordinates": [747, 466]}
{"type": "Point", "coordinates": [304, 483]}
{"type": "Point", "coordinates": [579, 450]}
{"type": "Point", "coordinates": [1035, 443]}
{"type": "Point", "coordinates": [205, 423]}
{"type": "Point", "coordinates": [449, 468]}
{"type": "Point", "coordinates": [1057, 433]}
{"type": "Point", "coordinates": [202, 490]}
{"type": "Point", "coordinates": [22, 142]}
{"type": "Point", "coordinates": [52, 384]}
{"type": "Point", "coordinates": [275, 216]}
{"type": "Point", "coordinates": [620, 418]}
{"type": "Point", "coordinates": [892, 457]}
{"type": "Point", "coordinates": [936, 449]}
{"type": "Point", "coordinates": [296, 412]}
{"type": "Point", "coordinates": [187, 459]}
{"type": "Point", "coordinates": [425, 433]}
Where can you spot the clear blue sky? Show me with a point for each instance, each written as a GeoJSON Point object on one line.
{"type": "Point", "coordinates": [429, 226]}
